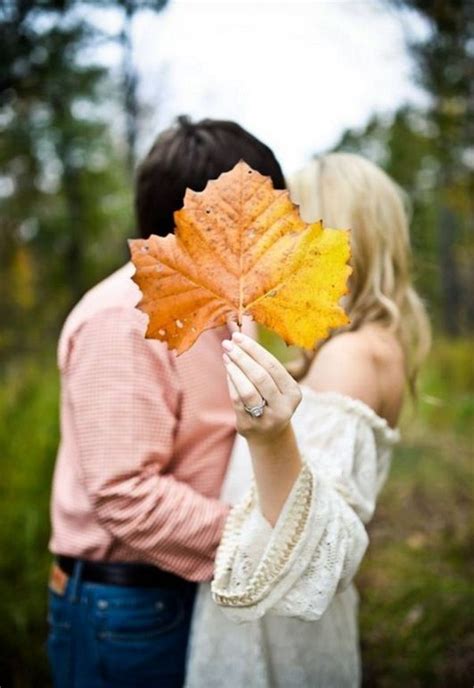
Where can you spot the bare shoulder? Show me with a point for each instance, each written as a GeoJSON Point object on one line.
{"type": "Point", "coordinates": [345, 364]}
{"type": "Point", "coordinates": [366, 364]}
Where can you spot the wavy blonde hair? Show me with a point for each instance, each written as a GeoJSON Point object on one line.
{"type": "Point", "coordinates": [348, 191]}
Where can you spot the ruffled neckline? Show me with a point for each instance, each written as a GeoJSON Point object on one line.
{"type": "Point", "coordinates": [356, 406]}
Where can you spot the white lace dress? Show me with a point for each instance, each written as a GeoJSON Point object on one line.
{"type": "Point", "coordinates": [291, 584]}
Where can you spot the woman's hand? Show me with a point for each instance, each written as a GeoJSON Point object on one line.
{"type": "Point", "coordinates": [253, 374]}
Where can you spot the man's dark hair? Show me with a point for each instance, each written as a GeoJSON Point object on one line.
{"type": "Point", "coordinates": [186, 156]}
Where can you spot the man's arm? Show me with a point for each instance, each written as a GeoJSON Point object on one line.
{"type": "Point", "coordinates": [125, 403]}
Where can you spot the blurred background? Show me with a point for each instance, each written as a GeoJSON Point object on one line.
{"type": "Point", "coordinates": [84, 88]}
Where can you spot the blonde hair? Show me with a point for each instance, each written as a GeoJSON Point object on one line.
{"type": "Point", "coordinates": [348, 191]}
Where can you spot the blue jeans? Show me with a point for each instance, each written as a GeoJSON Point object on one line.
{"type": "Point", "coordinates": [109, 636]}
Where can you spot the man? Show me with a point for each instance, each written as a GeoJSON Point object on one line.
{"type": "Point", "coordinates": [145, 441]}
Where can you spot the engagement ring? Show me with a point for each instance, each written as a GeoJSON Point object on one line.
{"type": "Point", "coordinates": [256, 411]}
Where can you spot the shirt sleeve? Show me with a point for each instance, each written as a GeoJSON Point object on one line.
{"type": "Point", "coordinates": [319, 540]}
{"type": "Point", "coordinates": [125, 403]}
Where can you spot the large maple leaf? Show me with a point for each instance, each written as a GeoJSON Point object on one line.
{"type": "Point", "coordinates": [240, 247]}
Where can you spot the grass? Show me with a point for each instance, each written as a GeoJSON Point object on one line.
{"type": "Point", "coordinates": [416, 591]}
{"type": "Point", "coordinates": [28, 441]}
{"type": "Point", "coordinates": [416, 596]}
{"type": "Point", "coordinates": [416, 588]}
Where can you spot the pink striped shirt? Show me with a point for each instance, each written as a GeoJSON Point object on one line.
{"type": "Point", "coordinates": [145, 439]}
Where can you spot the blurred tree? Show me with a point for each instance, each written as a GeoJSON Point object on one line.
{"type": "Point", "coordinates": [430, 153]}
{"type": "Point", "coordinates": [129, 77]}
{"type": "Point", "coordinates": [58, 162]}
{"type": "Point", "coordinates": [445, 68]}
{"type": "Point", "coordinates": [129, 73]}
{"type": "Point", "coordinates": [403, 146]}
{"type": "Point", "coordinates": [64, 172]}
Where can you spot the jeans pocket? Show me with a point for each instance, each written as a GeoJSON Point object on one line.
{"type": "Point", "coordinates": [142, 637]}
{"type": "Point", "coordinates": [59, 642]}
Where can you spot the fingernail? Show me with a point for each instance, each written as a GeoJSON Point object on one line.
{"type": "Point", "coordinates": [238, 337]}
{"type": "Point", "coordinates": [226, 344]}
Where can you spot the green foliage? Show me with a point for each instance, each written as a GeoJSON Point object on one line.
{"type": "Point", "coordinates": [415, 582]}
{"type": "Point", "coordinates": [440, 409]}
{"type": "Point", "coordinates": [66, 184]}
{"type": "Point", "coordinates": [406, 147]}
{"type": "Point", "coordinates": [28, 441]}
{"type": "Point", "coordinates": [429, 153]}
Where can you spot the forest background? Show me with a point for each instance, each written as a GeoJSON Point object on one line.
{"type": "Point", "coordinates": [66, 210]}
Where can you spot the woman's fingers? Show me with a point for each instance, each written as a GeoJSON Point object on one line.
{"type": "Point", "coordinates": [232, 326]}
{"type": "Point", "coordinates": [248, 382]}
{"type": "Point", "coordinates": [256, 373]}
{"type": "Point", "coordinates": [233, 393]}
{"type": "Point", "coordinates": [281, 377]}
{"type": "Point", "coordinates": [246, 391]}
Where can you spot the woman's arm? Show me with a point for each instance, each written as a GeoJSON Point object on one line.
{"type": "Point", "coordinates": [345, 365]}
{"type": "Point", "coordinates": [276, 464]}
{"type": "Point", "coordinates": [318, 536]}
{"type": "Point", "coordinates": [253, 373]}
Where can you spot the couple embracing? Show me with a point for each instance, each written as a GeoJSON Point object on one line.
{"type": "Point", "coordinates": [152, 479]}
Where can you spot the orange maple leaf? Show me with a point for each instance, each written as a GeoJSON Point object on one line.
{"type": "Point", "coordinates": [240, 247]}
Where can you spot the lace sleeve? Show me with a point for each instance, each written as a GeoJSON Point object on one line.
{"type": "Point", "coordinates": [316, 546]}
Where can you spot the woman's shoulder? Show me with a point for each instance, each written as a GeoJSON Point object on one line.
{"type": "Point", "coordinates": [346, 364]}
{"type": "Point", "coordinates": [366, 365]}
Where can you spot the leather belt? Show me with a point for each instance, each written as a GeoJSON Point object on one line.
{"type": "Point", "coordinates": [127, 574]}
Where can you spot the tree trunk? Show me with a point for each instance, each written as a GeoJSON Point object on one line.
{"type": "Point", "coordinates": [130, 84]}
{"type": "Point", "coordinates": [450, 286]}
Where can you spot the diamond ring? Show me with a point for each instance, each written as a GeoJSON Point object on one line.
{"type": "Point", "coordinates": [256, 411]}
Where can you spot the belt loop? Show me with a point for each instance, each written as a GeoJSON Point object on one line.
{"type": "Point", "coordinates": [76, 580]}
